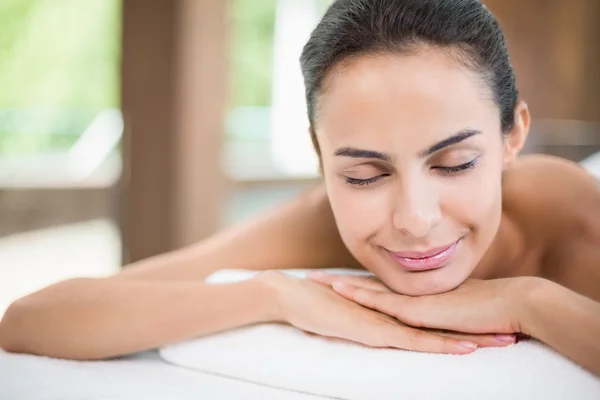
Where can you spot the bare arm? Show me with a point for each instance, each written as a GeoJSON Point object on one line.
{"type": "Point", "coordinates": [86, 319]}
{"type": "Point", "coordinates": [564, 308]}
{"type": "Point", "coordinates": [566, 321]}
{"type": "Point", "coordinates": [566, 312]}
{"type": "Point", "coordinates": [163, 299]}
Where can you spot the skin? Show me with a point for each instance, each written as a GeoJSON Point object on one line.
{"type": "Point", "coordinates": [528, 259]}
{"type": "Point", "coordinates": [400, 106]}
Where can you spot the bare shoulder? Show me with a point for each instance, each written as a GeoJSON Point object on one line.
{"type": "Point", "coordinates": [551, 174]}
{"type": "Point", "coordinates": [557, 193]}
{"type": "Point", "coordinates": [557, 204]}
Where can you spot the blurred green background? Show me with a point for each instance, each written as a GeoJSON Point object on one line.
{"type": "Point", "coordinates": [59, 67]}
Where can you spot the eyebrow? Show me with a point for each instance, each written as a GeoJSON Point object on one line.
{"type": "Point", "coordinates": [359, 153]}
{"type": "Point", "coordinates": [452, 140]}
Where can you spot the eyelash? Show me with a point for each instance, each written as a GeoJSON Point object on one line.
{"type": "Point", "coordinates": [364, 182]}
{"type": "Point", "coordinates": [446, 170]}
{"type": "Point", "coordinates": [459, 168]}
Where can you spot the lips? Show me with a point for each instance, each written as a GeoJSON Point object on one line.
{"type": "Point", "coordinates": [423, 261]}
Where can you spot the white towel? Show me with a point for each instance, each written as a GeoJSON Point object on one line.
{"type": "Point", "coordinates": [282, 356]}
{"type": "Point", "coordinates": [140, 377]}
{"type": "Point", "coordinates": [592, 164]}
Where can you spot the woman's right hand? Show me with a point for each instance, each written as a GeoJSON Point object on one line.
{"type": "Point", "coordinates": [316, 308]}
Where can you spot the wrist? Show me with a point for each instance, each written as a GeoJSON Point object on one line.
{"type": "Point", "coordinates": [272, 285]}
{"type": "Point", "coordinates": [533, 300]}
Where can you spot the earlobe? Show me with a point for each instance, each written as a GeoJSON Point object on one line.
{"type": "Point", "coordinates": [515, 139]}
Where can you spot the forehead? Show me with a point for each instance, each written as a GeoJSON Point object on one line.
{"type": "Point", "coordinates": [424, 92]}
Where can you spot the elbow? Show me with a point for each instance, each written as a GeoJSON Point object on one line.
{"type": "Point", "coordinates": [12, 327]}
{"type": "Point", "coordinates": [25, 328]}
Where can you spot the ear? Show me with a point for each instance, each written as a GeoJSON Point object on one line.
{"type": "Point", "coordinates": [515, 139]}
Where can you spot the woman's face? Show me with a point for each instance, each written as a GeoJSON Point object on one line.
{"type": "Point", "coordinates": [412, 155]}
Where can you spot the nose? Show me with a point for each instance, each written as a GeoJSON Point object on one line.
{"type": "Point", "coordinates": [416, 207]}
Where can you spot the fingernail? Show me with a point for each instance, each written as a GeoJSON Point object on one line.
{"type": "Point", "coordinates": [506, 338]}
{"type": "Point", "coordinates": [468, 345]}
{"type": "Point", "coordinates": [338, 285]}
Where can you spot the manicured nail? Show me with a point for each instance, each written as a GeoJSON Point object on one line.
{"type": "Point", "coordinates": [338, 286]}
{"type": "Point", "coordinates": [468, 345]}
{"type": "Point", "coordinates": [506, 338]}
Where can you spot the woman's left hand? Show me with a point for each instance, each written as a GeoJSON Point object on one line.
{"type": "Point", "coordinates": [477, 306]}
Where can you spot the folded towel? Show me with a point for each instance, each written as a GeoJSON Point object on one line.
{"type": "Point", "coordinates": [592, 164]}
{"type": "Point", "coordinates": [284, 357]}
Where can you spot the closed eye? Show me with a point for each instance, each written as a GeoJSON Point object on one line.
{"type": "Point", "coordinates": [364, 182]}
{"type": "Point", "coordinates": [446, 170]}
{"type": "Point", "coordinates": [458, 168]}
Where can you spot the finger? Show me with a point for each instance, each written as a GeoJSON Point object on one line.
{"type": "Point", "coordinates": [386, 302]}
{"type": "Point", "coordinates": [483, 340]}
{"type": "Point", "coordinates": [407, 338]}
{"type": "Point", "coordinates": [359, 281]}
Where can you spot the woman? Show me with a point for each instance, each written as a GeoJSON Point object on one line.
{"type": "Point", "coordinates": [415, 115]}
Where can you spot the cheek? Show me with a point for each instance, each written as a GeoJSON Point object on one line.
{"type": "Point", "coordinates": [476, 202]}
{"type": "Point", "coordinates": [359, 214]}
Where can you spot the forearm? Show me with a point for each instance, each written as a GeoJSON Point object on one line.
{"type": "Point", "coordinates": [565, 321]}
{"type": "Point", "coordinates": [100, 318]}
{"type": "Point", "coordinates": [163, 299]}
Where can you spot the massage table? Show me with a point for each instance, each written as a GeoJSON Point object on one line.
{"type": "Point", "coordinates": [279, 362]}
{"type": "Point", "coordinates": [276, 361]}
{"type": "Point", "coordinates": [142, 376]}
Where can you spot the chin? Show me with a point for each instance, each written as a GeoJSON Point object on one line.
{"type": "Point", "coordinates": [425, 283]}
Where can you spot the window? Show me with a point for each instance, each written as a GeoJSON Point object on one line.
{"type": "Point", "coordinates": [59, 74]}
{"type": "Point", "coordinates": [267, 126]}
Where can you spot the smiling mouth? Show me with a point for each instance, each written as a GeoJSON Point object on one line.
{"type": "Point", "coordinates": [424, 261]}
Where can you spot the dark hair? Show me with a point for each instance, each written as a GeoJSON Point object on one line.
{"type": "Point", "coordinates": [465, 28]}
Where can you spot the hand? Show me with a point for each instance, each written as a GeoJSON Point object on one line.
{"type": "Point", "coordinates": [476, 306]}
{"type": "Point", "coordinates": [318, 309]}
